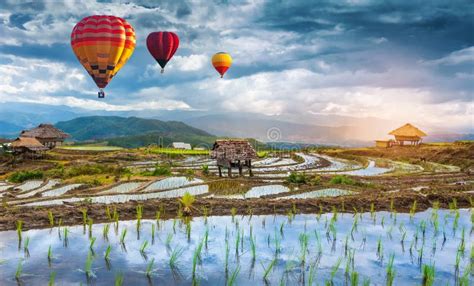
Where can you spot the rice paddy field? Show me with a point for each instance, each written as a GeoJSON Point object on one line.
{"type": "Point", "coordinates": [311, 217]}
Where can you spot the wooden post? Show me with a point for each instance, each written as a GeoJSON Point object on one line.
{"type": "Point", "coordinates": [250, 168]}
{"type": "Point", "coordinates": [240, 168]}
{"type": "Point", "coordinates": [220, 171]}
{"type": "Point", "coordinates": [229, 172]}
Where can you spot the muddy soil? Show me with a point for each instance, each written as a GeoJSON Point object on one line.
{"type": "Point", "coordinates": [71, 214]}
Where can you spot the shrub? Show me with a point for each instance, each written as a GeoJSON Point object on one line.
{"type": "Point", "coordinates": [205, 169]}
{"type": "Point", "coordinates": [315, 181]}
{"type": "Point", "coordinates": [21, 176]}
{"type": "Point", "coordinates": [297, 178]}
{"type": "Point", "coordinates": [161, 171]}
{"type": "Point", "coordinates": [342, 180]}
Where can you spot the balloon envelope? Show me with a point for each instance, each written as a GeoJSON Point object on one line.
{"type": "Point", "coordinates": [162, 46]}
{"type": "Point", "coordinates": [221, 62]}
{"type": "Point", "coordinates": [103, 44]}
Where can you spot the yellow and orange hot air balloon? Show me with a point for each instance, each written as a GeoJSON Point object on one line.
{"type": "Point", "coordinates": [221, 62]}
{"type": "Point", "coordinates": [103, 44]}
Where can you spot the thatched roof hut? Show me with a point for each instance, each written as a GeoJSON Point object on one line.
{"type": "Point", "coordinates": [46, 134]}
{"type": "Point", "coordinates": [233, 149]}
{"type": "Point", "coordinates": [26, 144]}
{"type": "Point", "coordinates": [408, 133]}
{"type": "Point", "coordinates": [233, 153]}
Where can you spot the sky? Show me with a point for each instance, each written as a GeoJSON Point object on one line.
{"type": "Point", "coordinates": [405, 59]}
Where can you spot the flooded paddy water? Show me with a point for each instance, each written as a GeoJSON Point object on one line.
{"type": "Point", "coordinates": [243, 250]}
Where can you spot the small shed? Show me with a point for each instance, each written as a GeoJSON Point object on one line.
{"type": "Point", "coordinates": [29, 146]}
{"type": "Point", "coordinates": [231, 153]}
{"type": "Point", "coordinates": [181, 145]}
{"type": "Point", "coordinates": [46, 134]}
{"type": "Point", "coordinates": [384, 143]}
{"type": "Point", "coordinates": [408, 133]}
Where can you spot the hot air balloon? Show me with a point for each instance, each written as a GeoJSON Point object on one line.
{"type": "Point", "coordinates": [162, 46]}
{"type": "Point", "coordinates": [221, 62]}
{"type": "Point", "coordinates": [103, 44]}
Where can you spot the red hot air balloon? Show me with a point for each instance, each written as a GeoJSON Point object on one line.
{"type": "Point", "coordinates": [162, 46]}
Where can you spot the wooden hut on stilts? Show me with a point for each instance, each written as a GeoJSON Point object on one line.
{"type": "Point", "coordinates": [406, 133]}
{"type": "Point", "coordinates": [233, 153]}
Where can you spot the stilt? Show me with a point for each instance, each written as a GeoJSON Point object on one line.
{"type": "Point", "coordinates": [229, 172]}
{"type": "Point", "coordinates": [240, 168]}
{"type": "Point", "coordinates": [220, 171]}
{"type": "Point", "coordinates": [250, 168]}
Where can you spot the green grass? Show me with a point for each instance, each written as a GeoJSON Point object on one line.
{"type": "Point", "coordinates": [177, 151]}
{"type": "Point", "coordinates": [91, 148]}
{"type": "Point", "coordinates": [342, 180]}
{"type": "Point", "coordinates": [21, 176]}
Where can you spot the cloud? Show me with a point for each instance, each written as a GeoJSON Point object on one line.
{"type": "Point", "coordinates": [457, 57]}
{"type": "Point", "coordinates": [358, 57]}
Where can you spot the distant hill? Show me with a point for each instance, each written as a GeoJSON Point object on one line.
{"type": "Point", "coordinates": [133, 131]}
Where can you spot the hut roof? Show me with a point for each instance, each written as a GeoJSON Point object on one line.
{"type": "Point", "coordinates": [45, 131]}
{"type": "Point", "coordinates": [233, 149]}
{"type": "Point", "coordinates": [408, 130]}
{"type": "Point", "coordinates": [29, 143]}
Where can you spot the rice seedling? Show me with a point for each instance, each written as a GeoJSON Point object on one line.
{"type": "Point", "coordinates": [169, 238]}
{"type": "Point", "coordinates": [413, 210]}
{"type": "Point", "coordinates": [227, 250]}
{"type": "Point", "coordinates": [462, 244]}
{"type": "Point", "coordinates": [233, 276]}
{"type": "Point", "coordinates": [303, 238]}
{"type": "Point", "coordinates": [26, 245]}
{"type": "Point", "coordinates": [50, 254]}
{"type": "Point", "coordinates": [379, 248]}
{"type": "Point", "coordinates": [108, 215]}
{"type": "Point", "coordinates": [90, 222]}
{"type": "Point", "coordinates": [334, 270]}
{"type": "Point", "coordinates": [175, 255]}
{"type": "Point", "coordinates": [52, 277]}
{"type": "Point", "coordinates": [51, 218]}
{"type": "Point", "coordinates": [453, 205]}
{"type": "Point", "coordinates": [122, 236]}
{"type": "Point", "coordinates": [318, 242]}
{"type": "Point", "coordinates": [91, 244]}
{"type": "Point", "coordinates": [19, 229]}
{"type": "Point", "coordinates": [428, 275]}
{"type": "Point", "coordinates": [237, 240]}
{"type": "Point", "coordinates": [84, 216]}
{"type": "Point", "coordinates": [105, 231]}
{"type": "Point", "coordinates": [312, 274]}
{"type": "Point", "coordinates": [149, 267]}
{"type": "Point", "coordinates": [456, 221]}
{"type": "Point", "coordinates": [458, 260]}
{"type": "Point", "coordinates": [390, 270]}
{"type": "Point", "coordinates": [152, 233]}
{"type": "Point", "coordinates": [143, 246]}
{"type": "Point", "coordinates": [233, 212]}
{"type": "Point", "coordinates": [107, 252]}
{"type": "Point", "coordinates": [268, 269]}
{"type": "Point", "coordinates": [354, 278]}
{"type": "Point", "coordinates": [366, 282]}
{"type": "Point", "coordinates": [187, 200]}
{"type": "Point", "coordinates": [139, 210]}
{"type": "Point", "coordinates": [88, 265]}
{"type": "Point", "coordinates": [206, 236]}
{"type": "Point", "coordinates": [119, 279]}
{"type": "Point", "coordinates": [19, 270]}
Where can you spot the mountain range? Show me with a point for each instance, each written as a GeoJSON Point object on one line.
{"type": "Point", "coordinates": [176, 125]}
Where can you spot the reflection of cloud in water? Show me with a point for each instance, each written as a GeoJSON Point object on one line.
{"type": "Point", "coordinates": [68, 261]}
